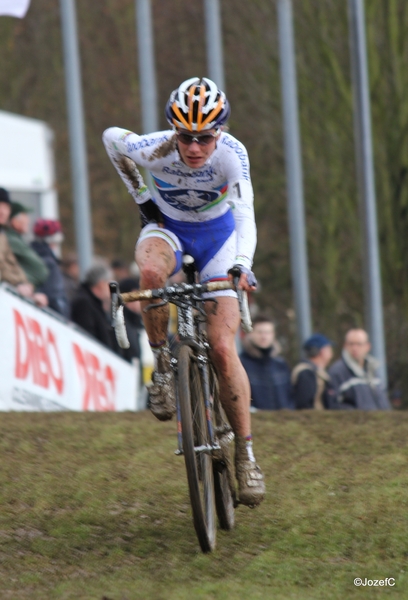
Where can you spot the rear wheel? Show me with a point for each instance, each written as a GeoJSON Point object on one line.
{"type": "Point", "coordinates": [194, 434]}
{"type": "Point", "coordinates": [224, 481]}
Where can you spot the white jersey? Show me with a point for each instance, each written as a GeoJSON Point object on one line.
{"type": "Point", "coordinates": [185, 194]}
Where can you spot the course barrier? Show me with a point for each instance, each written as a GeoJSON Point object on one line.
{"type": "Point", "coordinates": [47, 364]}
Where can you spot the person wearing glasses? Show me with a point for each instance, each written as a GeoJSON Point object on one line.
{"type": "Point", "coordinates": [355, 375]}
{"type": "Point", "coordinates": [203, 206]}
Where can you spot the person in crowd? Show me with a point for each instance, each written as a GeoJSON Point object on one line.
{"type": "Point", "coordinates": [32, 264]}
{"type": "Point", "coordinates": [70, 273]}
{"type": "Point", "coordinates": [354, 375]}
{"type": "Point", "coordinates": [48, 236]}
{"type": "Point", "coordinates": [133, 319]}
{"type": "Point", "coordinates": [87, 308]}
{"type": "Point", "coordinates": [268, 373]}
{"type": "Point", "coordinates": [120, 269]}
{"type": "Point", "coordinates": [310, 381]}
{"type": "Point", "coordinates": [10, 270]}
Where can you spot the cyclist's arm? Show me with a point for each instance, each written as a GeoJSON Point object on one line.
{"type": "Point", "coordinates": [235, 164]}
{"type": "Point", "coordinates": [126, 150]}
{"type": "Point", "coordinates": [241, 197]}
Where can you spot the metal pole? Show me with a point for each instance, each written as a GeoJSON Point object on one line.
{"type": "Point", "coordinates": [215, 61]}
{"type": "Point", "coordinates": [294, 175]}
{"type": "Point", "coordinates": [148, 90]}
{"type": "Point", "coordinates": [366, 183]}
{"type": "Point", "coordinates": [79, 163]}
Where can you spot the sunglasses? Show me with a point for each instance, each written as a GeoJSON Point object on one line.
{"type": "Point", "coordinates": [202, 140]}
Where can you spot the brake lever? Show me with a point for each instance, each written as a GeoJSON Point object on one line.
{"type": "Point", "coordinates": [115, 300]}
{"type": "Point", "coordinates": [150, 306]}
{"type": "Point", "coordinates": [117, 316]}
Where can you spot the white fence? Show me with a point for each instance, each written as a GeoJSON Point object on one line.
{"type": "Point", "coordinates": [48, 365]}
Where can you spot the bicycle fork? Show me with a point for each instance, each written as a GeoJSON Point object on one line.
{"type": "Point", "coordinates": [202, 363]}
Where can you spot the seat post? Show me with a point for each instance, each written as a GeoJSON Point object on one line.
{"type": "Point", "coordinates": [189, 268]}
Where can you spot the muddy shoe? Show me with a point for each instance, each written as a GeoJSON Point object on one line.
{"type": "Point", "coordinates": [162, 399]}
{"type": "Point", "coordinates": [251, 484]}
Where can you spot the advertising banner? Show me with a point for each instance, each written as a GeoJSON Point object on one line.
{"type": "Point", "coordinates": [47, 365]}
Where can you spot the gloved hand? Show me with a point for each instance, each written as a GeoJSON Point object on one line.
{"type": "Point", "coordinates": [150, 213]}
{"type": "Point", "coordinates": [237, 270]}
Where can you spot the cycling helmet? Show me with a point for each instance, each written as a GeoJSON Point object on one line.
{"type": "Point", "coordinates": [197, 105]}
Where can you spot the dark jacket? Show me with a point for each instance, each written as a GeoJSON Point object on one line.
{"type": "Point", "coordinates": [312, 387]}
{"type": "Point", "coordinates": [53, 287]}
{"type": "Point", "coordinates": [88, 312]}
{"type": "Point", "coordinates": [269, 377]}
{"type": "Point", "coordinates": [71, 286]}
{"type": "Point", "coordinates": [32, 265]}
{"type": "Point", "coordinates": [134, 324]}
{"type": "Point", "coordinates": [357, 387]}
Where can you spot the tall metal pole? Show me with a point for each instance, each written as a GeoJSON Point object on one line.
{"type": "Point", "coordinates": [366, 183]}
{"type": "Point", "coordinates": [147, 73]}
{"type": "Point", "coordinates": [79, 163]}
{"type": "Point", "coordinates": [215, 60]}
{"type": "Point", "coordinates": [294, 175]}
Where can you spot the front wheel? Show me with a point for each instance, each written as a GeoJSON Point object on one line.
{"type": "Point", "coordinates": [224, 481]}
{"type": "Point", "coordinates": [195, 434]}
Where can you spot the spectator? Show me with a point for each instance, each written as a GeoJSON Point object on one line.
{"type": "Point", "coordinates": [133, 319]}
{"type": "Point", "coordinates": [87, 307]}
{"type": "Point", "coordinates": [70, 273]}
{"type": "Point", "coordinates": [269, 374]}
{"type": "Point", "coordinates": [33, 266]}
{"type": "Point", "coordinates": [120, 269]}
{"type": "Point", "coordinates": [310, 380]}
{"type": "Point", "coordinates": [48, 236]}
{"type": "Point", "coordinates": [354, 375]}
{"type": "Point", "coordinates": [10, 270]}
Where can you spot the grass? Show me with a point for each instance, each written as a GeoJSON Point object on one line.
{"type": "Point", "coordinates": [95, 507]}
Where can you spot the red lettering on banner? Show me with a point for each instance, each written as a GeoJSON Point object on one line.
{"type": "Point", "coordinates": [98, 383]}
{"type": "Point", "coordinates": [37, 352]}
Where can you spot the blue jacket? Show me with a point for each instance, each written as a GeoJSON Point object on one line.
{"type": "Point", "coordinates": [269, 377]}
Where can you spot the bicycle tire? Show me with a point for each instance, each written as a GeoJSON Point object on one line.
{"type": "Point", "coordinates": [195, 433]}
{"type": "Point", "coordinates": [224, 486]}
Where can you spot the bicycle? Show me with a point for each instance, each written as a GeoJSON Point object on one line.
{"type": "Point", "coordinates": [204, 434]}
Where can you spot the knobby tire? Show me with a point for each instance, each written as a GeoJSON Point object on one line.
{"type": "Point", "coordinates": [195, 433]}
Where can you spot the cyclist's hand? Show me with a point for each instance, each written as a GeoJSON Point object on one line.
{"type": "Point", "coordinates": [247, 279]}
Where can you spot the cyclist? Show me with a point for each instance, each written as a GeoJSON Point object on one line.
{"type": "Point", "coordinates": [202, 206]}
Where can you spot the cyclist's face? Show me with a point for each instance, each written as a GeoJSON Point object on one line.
{"type": "Point", "coordinates": [196, 155]}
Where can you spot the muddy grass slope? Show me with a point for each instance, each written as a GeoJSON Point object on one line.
{"type": "Point", "coordinates": [95, 506]}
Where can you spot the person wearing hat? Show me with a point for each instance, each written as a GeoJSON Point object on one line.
{"type": "Point", "coordinates": [48, 236]}
{"type": "Point", "coordinates": [355, 375]}
{"type": "Point", "coordinates": [311, 383]}
{"type": "Point", "coordinates": [10, 270]}
{"type": "Point", "coordinates": [32, 265]}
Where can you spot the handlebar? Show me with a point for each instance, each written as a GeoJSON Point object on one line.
{"type": "Point", "coordinates": [172, 291]}
{"type": "Point", "coordinates": [176, 290]}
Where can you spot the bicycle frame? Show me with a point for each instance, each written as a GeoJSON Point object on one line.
{"type": "Point", "coordinates": [189, 332]}
{"type": "Point", "coordinates": [188, 299]}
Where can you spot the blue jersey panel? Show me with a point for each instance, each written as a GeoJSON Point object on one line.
{"type": "Point", "coordinates": [202, 240]}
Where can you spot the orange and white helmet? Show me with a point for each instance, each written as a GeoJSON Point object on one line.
{"type": "Point", "coordinates": [197, 105]}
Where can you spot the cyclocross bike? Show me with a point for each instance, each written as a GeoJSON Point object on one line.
{"type": "Point", "coordinates": [204, 434]}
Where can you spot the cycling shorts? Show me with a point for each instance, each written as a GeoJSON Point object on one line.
{"type": "Point", "coordinates": [212, 244]}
